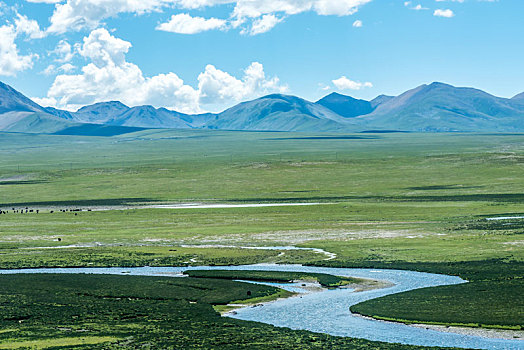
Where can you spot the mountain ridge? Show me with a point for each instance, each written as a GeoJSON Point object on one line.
{"type": "Point", "coordinates": [435, 107]}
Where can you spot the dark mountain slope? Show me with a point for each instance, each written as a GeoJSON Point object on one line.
{"type": "Point", "coordinates": [346, 106]}
{"type": "Point", "coordinates": [381, 99]}
{"type": "Point", "coordinates": [13, 101]}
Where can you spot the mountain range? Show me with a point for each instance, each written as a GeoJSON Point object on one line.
{"type": "Point", "coordinates": [436, 107]}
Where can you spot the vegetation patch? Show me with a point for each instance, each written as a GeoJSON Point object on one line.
{"type": "Point", "coordinates": [489, 304]}
{"type": "Point", "coordinates": [52, 343]}
{"type": "Point", "coordinates": [325, 280]}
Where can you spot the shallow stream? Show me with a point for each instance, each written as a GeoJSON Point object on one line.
{"type": "Point", "coordinates": [328, 311]}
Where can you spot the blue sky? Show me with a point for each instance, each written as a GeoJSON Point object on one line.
{"type": "Point", "coordinates": [206, 55]}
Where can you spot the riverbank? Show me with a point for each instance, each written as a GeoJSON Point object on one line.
{"type": "Point", "coordinates": [492, 333]}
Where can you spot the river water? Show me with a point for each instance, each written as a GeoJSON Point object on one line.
{"type": "Point", "coordinates": [328, 311]}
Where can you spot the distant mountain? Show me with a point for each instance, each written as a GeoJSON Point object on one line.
{"type": "Point", "coordinates": [100, 113]}
{"type": "Point", "coordinates": [149, 117]}
{"type": "Point", "coordinates": [440, 107]}
{"type": "Point", "coordinates": [280, 113]}
{"type": "Point", "coordinates": [20, 114]}
{"type": "Point", "coordinates": [436, 107]}
{"type": "Point", "coordinates": [346, 106]}
{"type": "Point", "coordinates": [117, 114]}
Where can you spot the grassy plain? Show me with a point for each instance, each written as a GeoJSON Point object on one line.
{"type": "Point", "coordinates": [414, 201]}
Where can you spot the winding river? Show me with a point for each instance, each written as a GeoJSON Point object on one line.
{"type": "Point", "coordinates": [328, 311]}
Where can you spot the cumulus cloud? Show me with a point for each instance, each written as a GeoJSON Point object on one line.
{"type": "Point", "coordinates": [258, 8]}
{"type": "Point", "coordinates": [109, 76]}
{"type": "Point", "coordinates": [443, 13]}
{"type": "Point", "coordinates": [81, 14]}
{"type": "Point", "coordinates": [216, 86]}
{"type": "Point", "coordinates": [28, 27]}
{"type": "Point", "coordinates": [11, 61]}
{"type": "Point", "coordinates": [344, 83]}
{"type": "Point", "coordinates": [262, 25]}
{"type": "Point", "coordinates": [183, 23]}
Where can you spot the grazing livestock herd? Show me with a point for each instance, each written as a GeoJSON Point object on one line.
{"type": "Point", "coordinates": [26, 210]}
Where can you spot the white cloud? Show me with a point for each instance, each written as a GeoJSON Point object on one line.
{"type": "Point", "coordinates": [66, 68]}
{"type": "Point", "coordinates": [104, 49]}
{"type": "Point", "coordinates": [108, 76]}
{"type": "Point", "coordinates": [52, 69]}
{"type": "Point", "coordinates": [183, 23]}
{"type": "Point", "coordinates": [262, 25]}
{"type": "Point", "coordinates": [216, 86]}
{"type": "Point", "coordinates": [338, 7]}
{"type": "Point", "coordinates": [344, 83]}
{"type": "Point", "coordinates": [11, 62]}
{"type": "Point", "coordinates": [44, 101]}
{"type": "Point", "coordinates": [257, 8]}
{"type": "Point", "coordinates": [45, 1]}
{"type": "Point", "coordinates": [358, 24]}
{"type": "Point", "coordinates": [28, 27]}
{"type": "Point", "coordinates": [419, 7]}
{"type": "Point", "coordinates": [63, 51]}
{"type": "Point", "coordinates": [443, 13]}
{"type": "Point", "coordinates": [81, 14]}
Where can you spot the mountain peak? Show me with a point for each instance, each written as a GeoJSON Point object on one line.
{"type": "Point", "coordinates": [280, 97]}
{"type": "Point", "coordinates": [336, 95]}
{"type": "Point", "coordinates": [346, 106]}
{"type": "Point", "coordinates": [439, 84]}
{"type": "Point", "coordinates": [103, 105]}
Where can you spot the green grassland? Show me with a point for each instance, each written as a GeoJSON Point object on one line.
{"type": "Point", "coordinates": [128, 312]}
{"type": "Point", "coordinates": [504, 299]}
{"type": "Point", "coordinates": [409, 201]}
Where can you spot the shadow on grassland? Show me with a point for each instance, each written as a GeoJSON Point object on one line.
{"type": "Point", "coordinates": [98, 130]}
{"type": "Point", "coordinates": [320, 138]}
{"type": "Point", "coordinates": [82, 203]}
{"type": "Point", "coordinates": [442, 187]}
{"type": "Point", "coordinates": [488, 197]}
{"type": "Point", "coordinates": [22, 182]}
